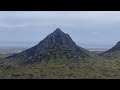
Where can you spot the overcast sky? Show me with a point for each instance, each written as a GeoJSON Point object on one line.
{"type": "Point", "coordinates": [87, 28]}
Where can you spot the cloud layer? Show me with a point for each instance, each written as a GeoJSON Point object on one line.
{"type": "Point", "coordinates": [85, 27]}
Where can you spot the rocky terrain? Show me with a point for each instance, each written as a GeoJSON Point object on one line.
{"type": "Point", "coordinates": [56, 45]}
{"type": "Point", "coordinates": [58, 57]}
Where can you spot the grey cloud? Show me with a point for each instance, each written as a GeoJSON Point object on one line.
{"type": "Point", "coordinates": [83, 26]}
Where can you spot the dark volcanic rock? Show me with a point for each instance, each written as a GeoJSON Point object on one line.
{"type": "Point", "coordinates": [56, 45]}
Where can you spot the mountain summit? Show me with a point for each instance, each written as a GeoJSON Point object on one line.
{"type": "Point", "coordinates": [58, 30]}
{"type": "Point", "coordinates": [56, 45]}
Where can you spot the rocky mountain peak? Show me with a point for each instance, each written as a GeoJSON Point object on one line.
{"type": "Point", "coordinates": [58, 30]}
{"type": "Point", "coordinates": [55, 46]}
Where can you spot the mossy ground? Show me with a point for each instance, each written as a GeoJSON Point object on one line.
{"type": "Point", "coordinates": [62, 69]}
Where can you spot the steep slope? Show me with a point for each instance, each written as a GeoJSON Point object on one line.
{"type": "Point", "coordinates": [113, 53]}
{"type": "Point", "coordinates": [56, 45]}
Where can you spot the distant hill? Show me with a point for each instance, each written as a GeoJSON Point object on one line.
{"type": "Point", "coordinates": [56, 45]}
{"type": "Point", "coordinates": [11, 50]}
{"type": "Point", "coordinates": [113, 53]}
